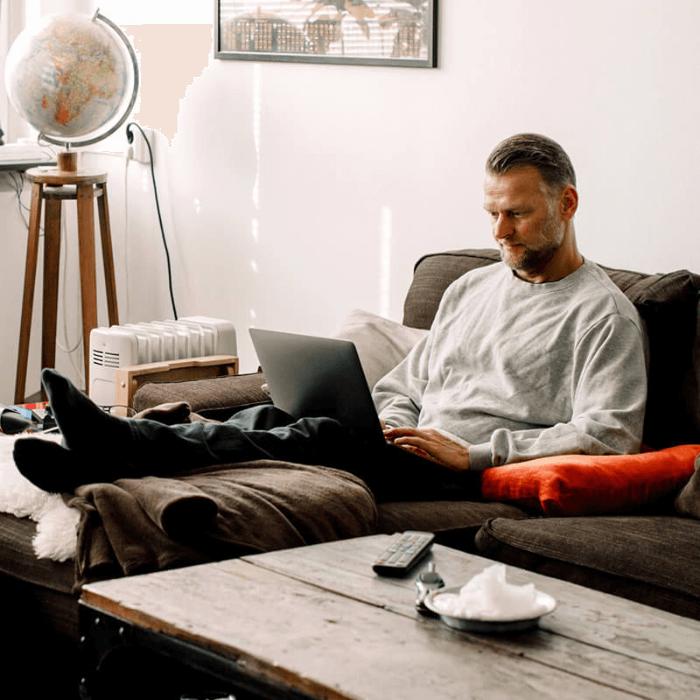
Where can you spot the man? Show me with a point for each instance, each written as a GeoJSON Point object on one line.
{"type": "Point", "coordinates": [540, 356]}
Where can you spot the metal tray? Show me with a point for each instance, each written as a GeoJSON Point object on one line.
{"type": "Point", "coordinates": [496, 626]}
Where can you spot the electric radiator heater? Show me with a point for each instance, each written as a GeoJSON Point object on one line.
{"type": "Point", "coordinates": [156, 341]}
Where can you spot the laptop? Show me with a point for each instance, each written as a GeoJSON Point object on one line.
{"type": "Point", "coordinates": [309, 376]}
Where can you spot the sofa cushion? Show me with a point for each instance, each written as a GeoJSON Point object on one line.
{"type": "Point", "coordinates": [463, 518]}
{"type": "Point", "coordinates": [650, 559]}
{"type": "Point", "coordinates": [591, 484]}
{"type": "Point", "coordinates": [668, 305]}
{"type": "Point", "coordinates": [431, 277]}
{"type": "Point", "coordinates": [687, 502]}
{"type": "Point", "coordinates": [381, 343]}
{"type": "Point", "coordinates": [215, 398]}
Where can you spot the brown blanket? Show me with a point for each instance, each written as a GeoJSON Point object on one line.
{"type": "Point", "coordinates": [141, 525]}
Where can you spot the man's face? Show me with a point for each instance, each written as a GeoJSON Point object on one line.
{"type": "Point", "coordinates": [525, 221]}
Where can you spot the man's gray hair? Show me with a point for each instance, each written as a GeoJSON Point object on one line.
{"type": "Point", "coordinates": [535, 150]}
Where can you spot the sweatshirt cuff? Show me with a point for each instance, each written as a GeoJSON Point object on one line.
{"type": "Point", "coordinates": [480, 457]}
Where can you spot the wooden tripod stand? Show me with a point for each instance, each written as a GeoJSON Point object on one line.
{"type": "Point", "coordinates": [53, 187]}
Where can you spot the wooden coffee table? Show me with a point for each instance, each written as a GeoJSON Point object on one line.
{"type": "Point", "coordinates": [316, 622]}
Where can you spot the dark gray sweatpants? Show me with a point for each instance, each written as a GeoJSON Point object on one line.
{"type": "Point", "coordinates": [266, 432]}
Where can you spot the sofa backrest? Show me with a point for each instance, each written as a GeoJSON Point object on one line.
{"type": "Point", "coordinates": [668, 305]}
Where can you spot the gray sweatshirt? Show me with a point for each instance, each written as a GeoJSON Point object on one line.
{"type": "Point", "coordinates": [517, 370]}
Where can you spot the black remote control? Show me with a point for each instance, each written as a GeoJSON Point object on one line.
{"type": "Point", "coordinates": [405, 550]}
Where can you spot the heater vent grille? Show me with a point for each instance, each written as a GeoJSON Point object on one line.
{"type": "Point", "coordinates": [102, 358]}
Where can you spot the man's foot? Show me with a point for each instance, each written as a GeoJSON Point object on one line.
{"type": "Point", "coordinates": [86, 428]}
{"type": "Point", "coordinates": [50, 466]}
{"type": "Point", "coordinates": [97, 447]}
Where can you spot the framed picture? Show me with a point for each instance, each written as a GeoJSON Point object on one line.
{"type": "Point", "coordinates": [366, 32]}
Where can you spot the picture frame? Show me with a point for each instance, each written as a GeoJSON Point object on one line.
{"type": "Point", "coordinates": [362, 32]}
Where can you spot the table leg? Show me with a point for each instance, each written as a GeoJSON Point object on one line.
{"type": "Point", "coordinates": [86, 250]}
{"type": "Point", "coordinates": [52, 254]}
{"type": "Point", "coordinates": [28, 295]}
{"type": "Point", "coordinates": [107, 256]}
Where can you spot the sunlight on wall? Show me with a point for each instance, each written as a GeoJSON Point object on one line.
{"type": "Point", "coordinates": [257, 111]}
{"type": "Point", "coordinates": [145, 179]}
{"type": "Point", "coordinates": [385, 235]}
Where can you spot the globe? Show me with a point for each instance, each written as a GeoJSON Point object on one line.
{"type": "Point", "coordinates": [71, 77]}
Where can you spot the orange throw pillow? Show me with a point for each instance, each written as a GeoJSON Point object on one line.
{"type": "Point", "coordinates": [589, 484]}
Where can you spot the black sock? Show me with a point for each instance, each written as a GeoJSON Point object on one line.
{"type": "Point", "coordinates": [51, 466]}
{"type": "Point", "coordinates": [86, 428]}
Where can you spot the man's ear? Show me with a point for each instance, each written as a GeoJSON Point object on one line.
{"type": "Point", "coordinates": [568, 202]}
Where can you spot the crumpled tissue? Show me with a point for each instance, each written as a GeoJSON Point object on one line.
{"type": "Point", "coordinates": [488, 596]}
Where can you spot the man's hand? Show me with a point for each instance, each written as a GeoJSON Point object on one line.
{"type": "Point", "coordinates": [431, 445]}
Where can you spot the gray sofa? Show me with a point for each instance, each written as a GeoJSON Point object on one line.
{"type": "Point", "coordinates": [649, 553]}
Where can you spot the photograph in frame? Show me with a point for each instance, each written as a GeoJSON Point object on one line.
{"type": "Point", "coordinates": [364, 32]}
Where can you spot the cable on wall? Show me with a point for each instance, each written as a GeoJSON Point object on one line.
{"type": "Point", "coordinates": [127, 285]}
{"type": "Point", "coordinates": [17, 179]}
{"type": "Point", "coordinates": [130, 139]}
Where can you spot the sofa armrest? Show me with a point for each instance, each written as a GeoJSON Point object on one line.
{"type": "Point", "coordinates": [129, 379]}
{"type": "Point", "coordinates": [216, 398]}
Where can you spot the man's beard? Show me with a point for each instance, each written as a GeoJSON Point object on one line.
{"type": "Point", "coordinates": [537, 255]}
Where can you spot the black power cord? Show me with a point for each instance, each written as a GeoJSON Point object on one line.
{"type": "Point", "coordinates": [130, 139]}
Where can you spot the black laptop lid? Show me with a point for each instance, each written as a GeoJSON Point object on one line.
{"type": "Point", "coordinates": [310, 376]}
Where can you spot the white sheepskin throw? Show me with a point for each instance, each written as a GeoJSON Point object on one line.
{"type": "Point", "coordinates": [56, 536]}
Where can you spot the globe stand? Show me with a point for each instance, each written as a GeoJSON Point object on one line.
{"type": "Point", "coordinates": [25, 68]}
{"type": "Point", "coordinates": [67, 161]}
{"type": "Point", "coordinates": [53, 187]}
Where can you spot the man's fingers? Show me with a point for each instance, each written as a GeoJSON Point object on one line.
{"type": "Point", "coordinates": [393, 433]}
{"type": "Point", "coordinates": [414, 441]}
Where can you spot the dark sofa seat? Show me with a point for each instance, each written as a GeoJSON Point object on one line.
{"type": "Point", "coordinates": [39, 613]}
{"type": "Point", "coordinates": [650, 559]}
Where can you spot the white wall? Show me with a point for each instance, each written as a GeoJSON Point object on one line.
{"type": "Point", "coordinates": [297, 192]}
{"type": "Point", "coordinates": [291, 181]}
